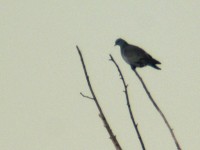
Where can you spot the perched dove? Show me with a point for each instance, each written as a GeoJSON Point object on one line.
{"type": "Point", "coordinates": [136, 56]}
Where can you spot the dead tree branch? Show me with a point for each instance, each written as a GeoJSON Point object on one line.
{"type": "Point", "coordinates": [128, 103]}
{"type": "Point", "coordinates": [159, 110]}
{"type": "Point", "coordinates": [86, 96]}
{"type": "Point", "coordinates": [101, 114]}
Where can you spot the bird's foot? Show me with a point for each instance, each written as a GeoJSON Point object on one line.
{"type": "Point", "coordinates": [133, 67]}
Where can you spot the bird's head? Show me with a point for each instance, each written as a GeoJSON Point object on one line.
{"type": "Point", "coordinates": [120, 42]}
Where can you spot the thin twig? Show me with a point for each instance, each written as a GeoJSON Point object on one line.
{"type": "Point", "coordinates": [107, 126]}
{"type": "Point", "coordinates": [86, 96]}
{"type": "Point", "coordinates": [128, 103]}
{"type": "Point", "coordinates": [159, 110]}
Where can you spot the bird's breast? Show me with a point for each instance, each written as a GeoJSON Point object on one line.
{"type": "Point", "coordinates": [130, 58]}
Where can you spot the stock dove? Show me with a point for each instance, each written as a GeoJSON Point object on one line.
{"type": "Point", "coordinates": [136, 56]}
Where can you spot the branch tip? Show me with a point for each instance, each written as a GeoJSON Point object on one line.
{"type": "Point", "coordinates": [128, 103]}
{"type": "Point", "coordinates": [101, 114]}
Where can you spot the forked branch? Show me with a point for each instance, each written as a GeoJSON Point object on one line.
{"type": "Point", "coordinates": [101, 114]}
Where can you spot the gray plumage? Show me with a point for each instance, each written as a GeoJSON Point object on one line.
{"type": "Point", "coordinates": [136, 56]}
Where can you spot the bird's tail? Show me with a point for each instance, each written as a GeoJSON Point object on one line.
{"type": "Point", "coordinates": [153, 62]}
{"type": "Point", "coordinates": [154, 66]}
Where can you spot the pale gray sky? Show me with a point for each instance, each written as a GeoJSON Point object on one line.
{"type": "Point", "coordinates": [41, 73]}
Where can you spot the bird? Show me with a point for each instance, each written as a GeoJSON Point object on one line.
{"type": "Point", "coordinates": [136, 56]}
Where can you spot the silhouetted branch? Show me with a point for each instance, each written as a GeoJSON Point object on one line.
{"type": "Point", "coordinates": [128, 103]}
{"type": "Point", "coordinates": [86, 96]}
{"type": "Point", "coordinates": [101, 115]}
{"type": "Point", "coordinates": [159, 110]}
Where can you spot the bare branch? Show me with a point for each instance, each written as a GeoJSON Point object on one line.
{"type": "Point", "coordinates": [128, 103]}
{"type": "Point", "coordinates": [86, 96]}
{"type": "Point", "coordinates": [107, 126]}
{"type": "Point", "coordinates": [159, 110]}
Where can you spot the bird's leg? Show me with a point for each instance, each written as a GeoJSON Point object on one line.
{"type": "Point", "coordinates": [133, 67]}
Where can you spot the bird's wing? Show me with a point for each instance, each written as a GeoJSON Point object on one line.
{"type": "Point", "coordinates": [135, 52]}
{"type": "Point", "coordinates": [145, 56]}
{"type": "Point", "coordinates": [137, 56]}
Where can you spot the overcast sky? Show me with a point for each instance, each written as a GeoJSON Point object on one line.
{"type": "Point", "coordinates": [41, 73]}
